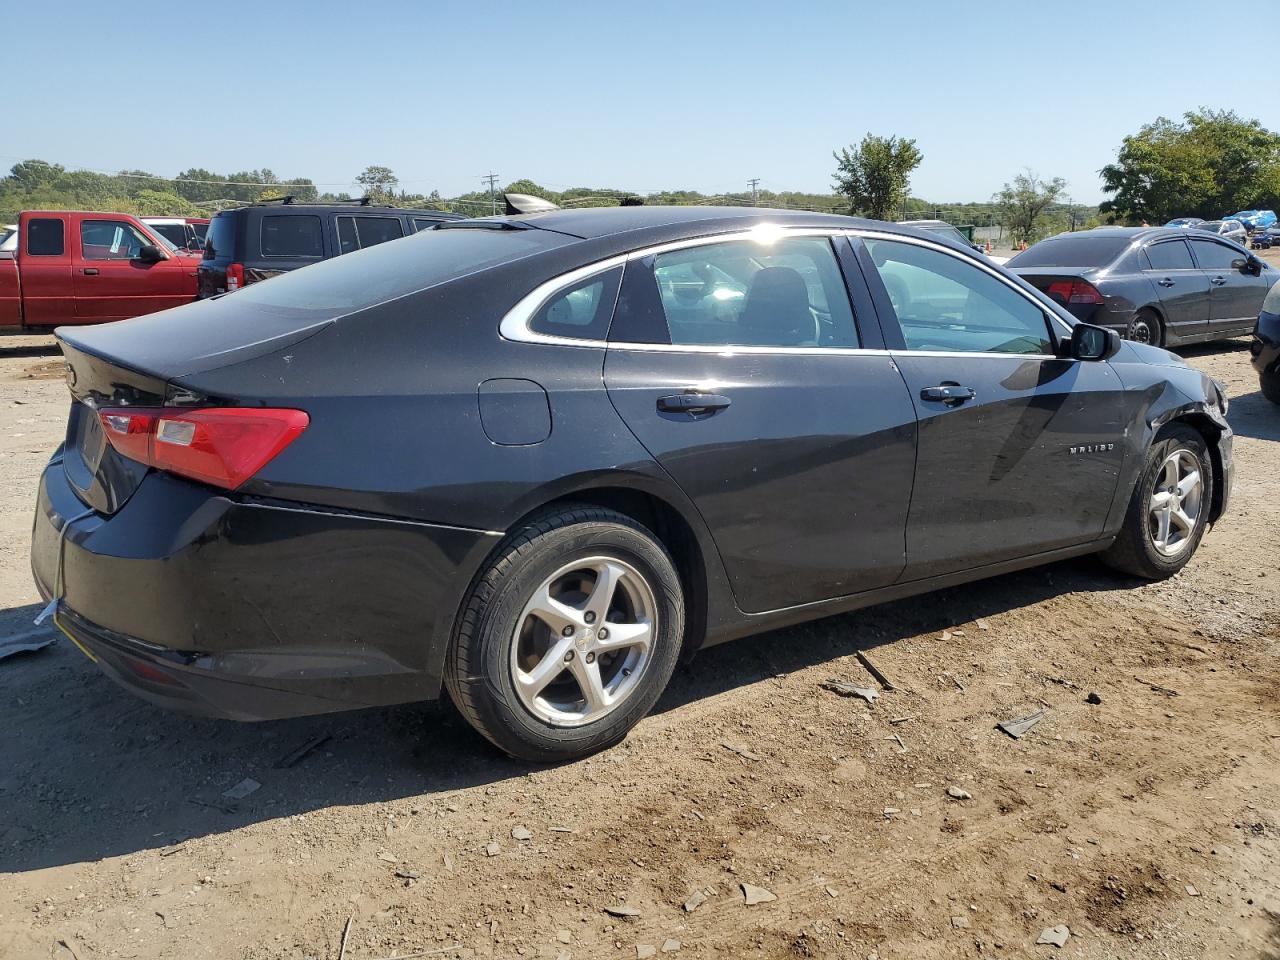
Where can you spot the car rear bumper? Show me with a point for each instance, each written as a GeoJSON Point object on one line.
{"type": "Point", "coordinates": [251, 610]}
{"type": "Point", "coordinates": [1264, 349]}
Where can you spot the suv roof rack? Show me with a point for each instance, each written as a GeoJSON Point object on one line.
{"type": "Point", "coordinates": [291, 201]}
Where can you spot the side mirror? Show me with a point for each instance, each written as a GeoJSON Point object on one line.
{"type": "Point", "coordinates": [1093, 343]}
{"type": "Point", "coordinates": [149, 253]}
{"type": "Point", "coordinates": [1251, 265]}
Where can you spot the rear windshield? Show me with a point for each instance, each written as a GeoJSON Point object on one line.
{"type": "Point", "coordinates": [389, 270]}
{"type": "Point", "coordinates": [1074, 251]}
{"type": "Point", "coordinates": [220, 241]}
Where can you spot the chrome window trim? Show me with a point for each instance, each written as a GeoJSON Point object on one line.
{"type": "Point", "coordinates": [515, 323]}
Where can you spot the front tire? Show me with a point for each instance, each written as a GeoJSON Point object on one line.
{"type": "Point", "coordinates": [1169, 509]}
{"type": "Point", "coordinates": [569, 636]}
{"type": "Point", "coordinates": [1270, 384]}
{"type": "Point", "coordinates": [1144, 327]}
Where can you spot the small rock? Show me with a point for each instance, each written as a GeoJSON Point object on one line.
{"type": "Point", "coordinates": [644, 950]}
{"type": "Point", "coordinates": [1093, 698]}
{"type": "Point", "coordinates": [1192, 891]}
{"type": "Point", "coordinates": [960, 923]}
{"type": "Point", "coordinates": [623, 910]}
{"type": "Point", "coordinates": [955, 793]}
{"type": "Point", "coordinates": [671, 946]}
{"type": "Point", "coordinates": [387, 857]}
{"type": "Point", "coordinates": [407, 874]}
{"type": "Point", "coordinates": [242, 789]}
{"type": "Point", "coordinates": [492, 849]}
{"type": "Point", "coordinates": [753, 894]}
{"type": "Point", "coordinates": [889, 812]}
{"type": "Point", "coordinates": [980, 624]}
{"type": "Point", "coordinates": [521, 833]}
{"type": "Point", "coordinates": [697, 899]}
{"type": "Point", "coordinates": [563, 936]}
{"type": "Point", "coordinates": [1055, 936]}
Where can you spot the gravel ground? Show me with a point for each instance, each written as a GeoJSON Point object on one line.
{"type": "Point", "coordinates": [1148, 823]}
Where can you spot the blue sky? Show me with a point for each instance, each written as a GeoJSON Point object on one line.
{"type": "Point", "coordinates": [642, 96]}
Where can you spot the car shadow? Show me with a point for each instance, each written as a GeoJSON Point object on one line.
{"type": "Point", "coordinates": [24, 348]}
{"type": "Point", "coordinates": [1253, 415]}
{"type": "Point", "coordinates": [1214, 348]}
{"type": "Point", "coordinates": [93, 772]}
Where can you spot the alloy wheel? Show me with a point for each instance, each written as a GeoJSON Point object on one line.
{"type": "Point", "coordinates": [1175, 505]}
{"type": "Point", "coordinates": [583, 641]}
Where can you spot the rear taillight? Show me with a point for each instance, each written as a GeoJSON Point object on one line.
{"type": "Point", "coordinates": [224, 446]}
{"type": "Point", "coordinates": [235, 276]}
{"type": "Point", "coordinates": [1074, 291]}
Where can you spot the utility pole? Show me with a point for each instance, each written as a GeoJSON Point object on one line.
{"type": "Point", "coordinates": [492, 180]}
{"type": "Point", "coordinates": [754, 183]}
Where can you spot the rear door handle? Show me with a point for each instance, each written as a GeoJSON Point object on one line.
{"type": "Point", "coordinates": [90, 271]}
{"type": "Point", "coordinates": [692, 403]}
{"type": "Point", "coordinates": [1218, 281]}
{"type": "Point", "coordinates": [952, 394]}
{"type": "Point", "coordinates": [1166, 282]}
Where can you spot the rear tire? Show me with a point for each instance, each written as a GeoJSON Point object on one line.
{"type": "Point", "coordinates": [1162, 529]}
{"type": "Point", "coordinates": [569, 636]}
{"type": "Point", "coordinates": [1270, 384]}
{"type": "Point", "coordinates": [1145, 327]}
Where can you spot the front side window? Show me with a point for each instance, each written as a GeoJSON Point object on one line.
{"type": "Point", "coordinates": [355, 233]}
{"type": "Point", "coordinates": [1171, 255]}
{"type": "Point", "coordinates": [946, 304]}
{"type": "Point", "coordinates": [295, 235]}
{"type": "Point", "coordinates": [1214, 256]}
{"type": "Point", "coordinates": [785, 293]}
{"type": "Point", "coordinates": [45, 238]}
{"type": "Point", "coordinates": [110, 240]}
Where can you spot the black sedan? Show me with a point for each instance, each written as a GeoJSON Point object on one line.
{"type": "Point", "coordinates": [1163, 286]}
{"type": "Point", "coordinates": [1265, 346]}
{"type": "Point", "coordinates": [532, 459]}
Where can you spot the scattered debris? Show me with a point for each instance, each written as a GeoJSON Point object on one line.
{"type": "Point", "coordinates": [346, 932]}
{"type": "Point", "coordinates": [671, 946]}
{"type": "Point", "coordinates": [623, 910]}
{"type": "Point", "coordinates": [166, 920]}
{"type": "Point", "coordinates": [981, 624]}
{"type": "Point", "coordinates": [425, 953]}
{"type": "Point", "coordinates": [563, 830]}
{"type": "Point", "coordinates": [741, 751]}
{"type": "Point", "coordinates": [407, 874]}
{"type": "Point", "coordinates": [564, 936]}
{"type": "Point", "coordinates": [846, 689]}
{"type": "Point", "coordinates": [891, 812]}
{"type": "Point", "coordinates": [242, 789]}
{"type": "Point", "coordinates": [960, 923]}
{"type": "Point", "coordinates": [874, 671]}
{"type": "Point", "coordinates": [1093, 698]}
{"type": "Point", "coordinates": [1192, 891]}
{"type": "Point", "coordinates": [753, 894]}
{"type": "Point", "coordinates": [1022, 725]}
{"type": "Point", "coordinates": [387, 857]}
{"type": "Point", "coordinates": [644, 950]}
{"type": "Point", "coordinates": [69, 948]}
{"type": "Point", "coordinates": [519, 832]}
{"type": "Point", "coordinates": [896, 720]}
{"type": "Point", "coordinates": [1057, 936]}
{"type": "Point", "coordinates": [492, 849]}
{"type": "Point", "coordinates": [831, 892]}
{"type": "Point", "coordinates": [1156, 688]}
{"type": "Point", "coordinates": [946, 635]}
{"type": "Point", "coordinates": [696, 899]}
{"type": "Point", "coordinates": [955, 793]}
{"type": "Point", "coordinates": [170, 851]}
{"type": "Point", "coordinates": [28, 641]}
{"type": "Point", "coordinates": [294, 756]}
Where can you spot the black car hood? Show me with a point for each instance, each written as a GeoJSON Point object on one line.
{"type": "Point", "coordinates": [1134, 352]}
{"type": "Point", "coordinates": [196, 337]}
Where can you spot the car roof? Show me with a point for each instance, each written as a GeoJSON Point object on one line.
{"type": "Point", "coordinates": [321, 207]}
{"type": "Point", "coordinates": [1126, 233]}
{"type": "Point", "coordinates": [598, 222]}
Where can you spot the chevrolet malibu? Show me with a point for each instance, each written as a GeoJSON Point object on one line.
{"type": "Point", "coordinates": [532, 460]}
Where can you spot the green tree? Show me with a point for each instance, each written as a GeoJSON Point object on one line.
{"type": "Point", "coordinates": [875, 175]}
{"type": "Point", "coordinates": [1022, 203]}
{"type": "Point", "coordinates": [1211, 163]}
{"type": "Point", "coordinates": [30, 174]}
{"type": "Point", "coordinates": [378, 182]}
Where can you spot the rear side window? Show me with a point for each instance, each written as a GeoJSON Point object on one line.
{"type": "Point", "coordinates": [1214, 256]}
{"type": "Point", "coordinates": [582, 311]}
{"type": "Point", "coordinates": [292, 236]}
{"type": "Point", "coordinates": [355, 233]}
{"type": "Point", "coordinates": [1077, 250]}
{"type": "Point", "coordinates": [1172, 255]}
{"type": "Point", "coordinates": [421, 223]}
{"type": "Point", "coordinates": [220, 241]}
{"type": "Point", "coordinates": [785, 293]}
{"type": "Point", "coordinates": [45, 238]}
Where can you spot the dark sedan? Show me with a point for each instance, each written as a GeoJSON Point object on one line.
{"type": "Point", "coordinates": [534, 459]}
{"type": "Point", "coordinates": [1163, 286]}
{"type": "Point", "coordinates": [1265, 346]}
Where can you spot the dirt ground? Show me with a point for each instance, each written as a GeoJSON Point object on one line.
{"type": "Point", "coordinates": [1148, 823]}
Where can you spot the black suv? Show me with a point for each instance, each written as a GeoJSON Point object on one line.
{"type": "Point", "coordinates": [259, 241]}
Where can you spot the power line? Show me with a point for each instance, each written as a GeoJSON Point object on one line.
{"type": "Point", "coordinates": [492, 180]}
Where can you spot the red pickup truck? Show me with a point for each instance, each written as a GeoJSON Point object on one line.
{"type": "Point", "coordinates": [74, 267]}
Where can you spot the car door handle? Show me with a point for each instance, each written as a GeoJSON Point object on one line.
{"type": "Point", "coordinates": [90, 271]}
{"type": "Point", "coordinates": [1166, 282]}
{"type": "Point", "coordinates": [952, 394]}
{"type": "Point", "coordinates": [1217, 281]}
{"type": "Point", "coordinates": [693, 403]}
